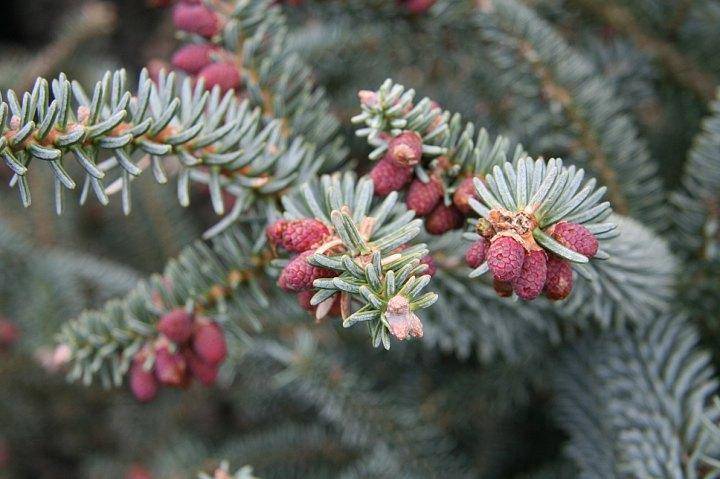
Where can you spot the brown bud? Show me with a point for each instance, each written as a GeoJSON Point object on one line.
{"type": "Point", "coordinates": [406, 148]}
{"type": "Point", "coordinates": [403, 323]}
{"type": "Point", "coordinates": [367, 98]}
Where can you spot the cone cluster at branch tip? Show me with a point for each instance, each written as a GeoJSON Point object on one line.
{"type": "Point", "coordinates": [535, 217]}
{"type": "Point", "coordinates": [301, 237]}
{"type": "Point", "coordinates": [345, 252]}
{"type": "Point", "coordinates": [188, 347]}
{"type": "Point", "coordinates": [396, 170]}
{"type": "Point", "coordinates": [526, 205]}
{"type": "Point", "coordinates": [530, 272]}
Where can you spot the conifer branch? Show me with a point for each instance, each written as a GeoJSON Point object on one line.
{"type": "Point", "coordinates": [632, 389]}
{"type": "Point", "coordinates": [697, 204]}
{"type": "Point", "coordinates": [635, 402]}
{"type": "Point", "coordinates": [683, 68]}
{"type": "Point", "coordinates": [217, 140]}
{"type": "Point", "coordinates": [615, 154]}
{"type": "Point", "coordinates": [633, 280]}
{"type": "Point", "coordinates": [397, 441]}
{"type": "Point", "coordinates": [221, 282]}
{"type": "Point", "coordinates": [365, 256]}
{"type": "Point", "coordinates": [254, 38]}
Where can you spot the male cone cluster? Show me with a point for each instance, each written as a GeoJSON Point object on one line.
{"type": "Point", "coordinates": [297, 236]}
{"type": "Point", "coordinates": [530, 271]}
{"type": "Point", "coordinates": [302, 237]}
{"type": "Point", "coordinates": [188, 347]}
{"type": "Point", "coordinates": [299, 274]}
{"type": "Point", "coordinates": [396, 170]}
{"type": "Point", "coordinates": [204, 60]}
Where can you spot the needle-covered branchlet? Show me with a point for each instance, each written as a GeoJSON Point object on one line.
{"type": "Point", "coordinates": [432, 155]}
{"type": "Point", "coordinates": [170, 127]}
{"type": "Point", "coordinates": [186, 347]}
{"type": "Point", "coordinates": [536, 216]}
{"type": "Point", "coordinates": [358, 261]}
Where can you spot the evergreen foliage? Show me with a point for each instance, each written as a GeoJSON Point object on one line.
{"type": "Point", "coordinates": [634, 402]}
{"type": "Point", "coordinates": [696, 204]}
{"type": "Point", "coordinates": [618, 380]}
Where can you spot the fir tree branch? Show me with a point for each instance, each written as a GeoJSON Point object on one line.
{"type": "Point", "coordinates": [221, 281]}
{"type": "Point", "coordinates": [397, 441]}
{"type": "Point", "coordinates": [615, 154]}
{"type": "Point", "coordinates": [683, 68]}
{"type": "Point", "coordinates": [633, 282]}
{"type": "Point", "coordinates": [274, 77]}
{"type": "Point", "coordinates": [634, 401]}
{"type": "Point", "coordinates": [697, 205]}
{"type": "Point", "coordinates": [217, 140]}
{"type": "Point", "coordinates": [632, 285]}
{"type": "Point", "coordinates": [245, 156]}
